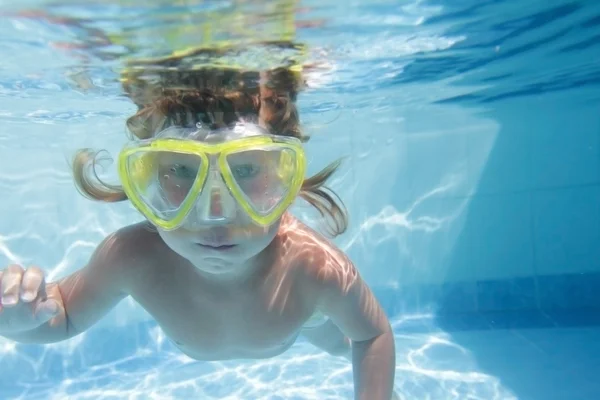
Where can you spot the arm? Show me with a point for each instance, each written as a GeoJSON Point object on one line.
{"type": "Point", "coordinates": [88, 294]}
{"type": "Point", "coordinates": [350, 304]}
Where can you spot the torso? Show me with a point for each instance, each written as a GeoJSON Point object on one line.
{"type": "Point", "coordinates": [259, 319]}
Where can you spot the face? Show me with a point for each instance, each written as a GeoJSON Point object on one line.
{"type": "Point", "coordinates": [218, 236]}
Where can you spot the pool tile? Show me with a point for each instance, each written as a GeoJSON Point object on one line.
{"type": "Point", "coordinates": [570, 292]}
{"type": "Point", "coordinates": [500, 162]}
{"type": "Point", "coordinates": [567, 230]}
{"type": "Point", "coordinates": [500, 238]}
{"type": "Point", "coordinates": [560, 159]}
{"type": "Point", "coordinates": [455, 297]}
{"type": "Point", "coordinates": [511, 294]}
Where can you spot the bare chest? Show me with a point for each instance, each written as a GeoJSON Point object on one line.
{"type": "Point", "coordinates": [257, 323]}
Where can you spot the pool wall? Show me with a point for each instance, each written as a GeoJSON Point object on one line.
{"type": "Point", "coordinates": [458, 210]}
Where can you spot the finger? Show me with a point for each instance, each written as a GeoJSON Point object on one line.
{"type": "Point", "coordinates": [11, 285]}
{"type": "Point", "coordinates": [33, 278]}
{"type": "Point", "coordinates": [46, 310]}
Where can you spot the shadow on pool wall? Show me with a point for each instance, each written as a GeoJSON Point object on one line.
{"type": "Point", "coordinates": [529, 245]}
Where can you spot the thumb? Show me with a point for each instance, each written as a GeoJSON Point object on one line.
{"type": "Point", "coordinates": [46, 310]}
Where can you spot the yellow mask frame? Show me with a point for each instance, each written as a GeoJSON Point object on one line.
{"type": "Point", "coordinates": [294, 174]}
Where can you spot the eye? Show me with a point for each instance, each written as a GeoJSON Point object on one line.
{"type": "Point", "coordinates": [183, 171]}
{"type": "Point", "coordinates": [245, 171]}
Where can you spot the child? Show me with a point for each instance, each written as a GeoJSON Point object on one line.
{"type": "Point", "coordinates": [220, 264]}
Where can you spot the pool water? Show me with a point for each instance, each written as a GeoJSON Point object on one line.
{"type": "Point", "coordinates": [472, 136]}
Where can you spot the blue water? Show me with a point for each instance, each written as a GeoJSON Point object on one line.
{"type": "Point", "coordinates": [472, 130]}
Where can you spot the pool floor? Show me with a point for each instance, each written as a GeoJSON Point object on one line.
{"type": "Point", "coordinates": [525, 364]}
{"type": "Point", "coordinates": [139, 363]}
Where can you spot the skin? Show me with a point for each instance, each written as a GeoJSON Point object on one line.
{"type": "Point", "coordinates": [280, 275]}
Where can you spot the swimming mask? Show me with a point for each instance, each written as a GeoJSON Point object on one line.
{"type": "Point", "coordinates": [204, 175]}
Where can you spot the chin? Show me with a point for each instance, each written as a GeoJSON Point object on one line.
{"type": "Point", "coordinates": [215, 266]}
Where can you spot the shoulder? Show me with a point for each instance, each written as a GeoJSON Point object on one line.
{"type": "Point", "coordinates": [127, 251]}
{"type": "Point", "coordinates": [322, 264]}
{"type": "Point", "coordinates": [129, 240]}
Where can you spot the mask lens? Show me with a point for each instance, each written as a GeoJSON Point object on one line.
{"type": "Point", "coordinates": [263, 176]}
{"type": "Point", "coordinates": [163, 180]}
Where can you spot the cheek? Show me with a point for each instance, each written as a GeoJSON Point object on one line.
{"type": "Point", "coordinates": [176, 198]}
{"type": "Point", "coordinates": [175, 190]}
{"type": "Point", "coordinates": [261, 189]}
{"type": "Point", "coordinates": [257, 187]}
{"type": "Point", "coordinates": [247, 231]}
{"type": "Point", "coordinates": [261, 233]}
{"type": "Point", "coordinates": [172, 239]}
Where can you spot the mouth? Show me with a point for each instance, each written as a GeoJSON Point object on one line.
{"type": "Point", "coordinates": [219, 247]}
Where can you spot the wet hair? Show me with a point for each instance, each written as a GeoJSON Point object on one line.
{"type": "Point", "coordinates": [217, 98]}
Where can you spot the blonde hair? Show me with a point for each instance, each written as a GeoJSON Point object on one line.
{"type": "Point", "coordinates": [216, 105]}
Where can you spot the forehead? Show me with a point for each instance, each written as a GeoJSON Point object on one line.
{"type": "Point", "coordinates": [203, 134]}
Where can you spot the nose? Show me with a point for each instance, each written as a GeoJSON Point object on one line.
{"type": "Point", "coordinates": [216, 205]}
